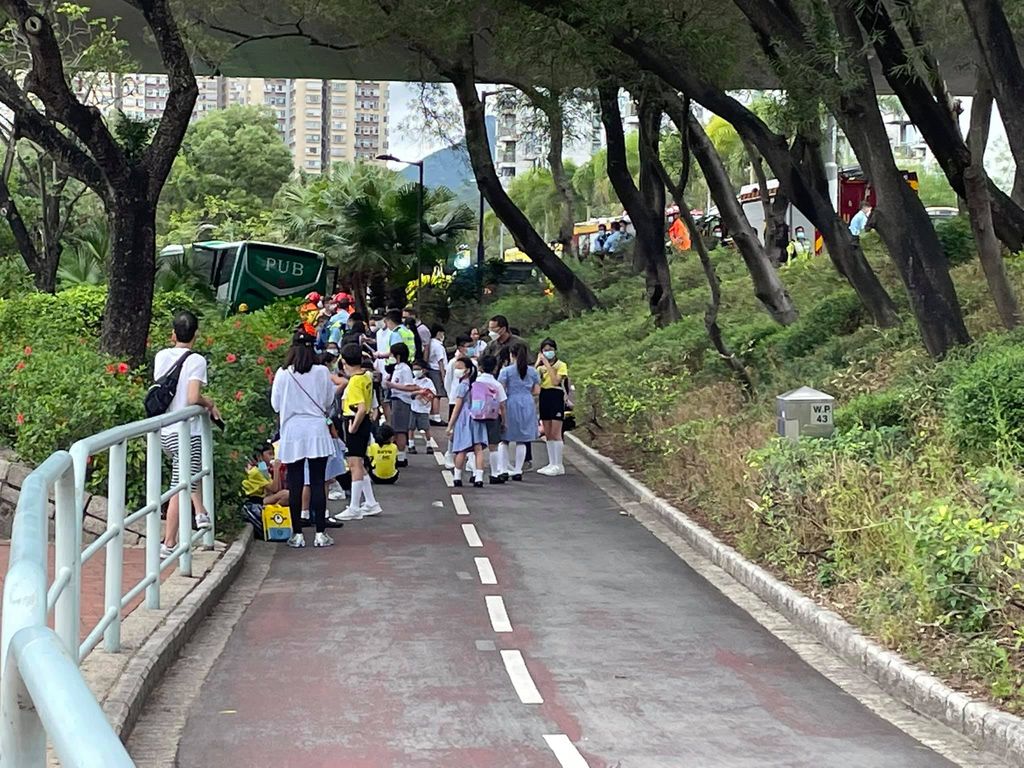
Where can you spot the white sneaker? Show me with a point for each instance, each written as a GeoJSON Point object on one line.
{"type": "Point", "coordinates": [336, 495]}
{"type": "Point", "coordinates": [323, 540]}
{"type": "Point", "coordinates": [165, 551]}
{"type": "Point", "coordinates": [348, 514]}
{"type": "Point", "coordinates": [202, 521]}
{"type": "Point", "coordinates": [551, 470]}
{"type": "Point", "coordinates": [370, 510]}
{"type": "Point", "coordinates": [297, 541]}
{"type": "Point", "coordinates": [304, 514]}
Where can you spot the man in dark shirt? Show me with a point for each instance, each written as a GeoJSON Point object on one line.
{"type": "Point", "coordinates": [501, 339]}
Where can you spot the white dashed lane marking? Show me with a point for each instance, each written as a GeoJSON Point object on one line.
{"type": "Point", "coordinates": [439, 458]}
{"type": "Point", "coordinates": [499, 616]}
{"type": "Point", "coordinates": [486, 571]}
{"type": "Point", "coordinates": [520, 677]}
{"type": "Point", "coordinates": [472, 537]}
{"type": "Point", "coordinates": [448, 479]}
{"type": "Point", "coordinates": [460, 504]}
{"type": "Point", "coordinates": [566, 752]}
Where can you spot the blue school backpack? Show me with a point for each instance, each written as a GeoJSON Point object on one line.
{"type": "Point", "coordinates": [483, 401]}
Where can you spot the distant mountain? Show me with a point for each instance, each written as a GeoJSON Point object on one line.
{"type": "Point", "coordinates": [449, 167]}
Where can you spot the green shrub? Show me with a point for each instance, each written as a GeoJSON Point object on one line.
{"type": "Point", "coordinates": [874, 409]}
{"type": "Point", "coordinates": [838, 314]}
{"type": "Point", "coordinates": [957, 240]}
{"type": "Point", "coordinates": [985, 406]}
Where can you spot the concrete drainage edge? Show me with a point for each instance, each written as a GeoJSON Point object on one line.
{"type": "Point", "coordinates": [143, 673]}
{"type": "Point", "coordinates": [986, 726]}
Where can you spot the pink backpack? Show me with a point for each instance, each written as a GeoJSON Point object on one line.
{"type": "Point", "coordinates": [483, 401]}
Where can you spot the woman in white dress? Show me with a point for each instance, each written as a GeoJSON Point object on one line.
{"type": "Point", "coordinates": [302, 395]}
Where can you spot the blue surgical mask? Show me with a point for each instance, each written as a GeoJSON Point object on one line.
{"type": "Point", "coordinates": [262, 466]}
{"type": "Point", "coordinates": [549, 354]}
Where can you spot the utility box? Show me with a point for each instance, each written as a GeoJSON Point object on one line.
{"type": "Point", "coordinates": [805, 412]}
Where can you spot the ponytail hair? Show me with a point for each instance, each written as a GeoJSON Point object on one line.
{"type": "Point", "coordinates": [519, 354]}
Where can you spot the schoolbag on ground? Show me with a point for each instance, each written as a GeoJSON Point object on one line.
{"type": "Point", "coordinates": [252, 513]}
{"type": "Point", "coordinates": [483, 401]}
{"type": "Point", "coordinates": [161, 394]}
{"type": "Point", "coordinates": [277, 522]}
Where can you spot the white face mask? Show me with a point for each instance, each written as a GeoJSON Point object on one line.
{"type": "Point", "coordinates": [493, 334]}
{"type": "Point", "coordinates": [419, 374]}
{"type": "Point", "coordinates": [459, 373]}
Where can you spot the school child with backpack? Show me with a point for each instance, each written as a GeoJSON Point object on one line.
{"type": "Point", "coordinates": [488, 406]}
{"type": "Point", "coordinates": [465, 433]}
{"type": "Point", "coordinates": [422, 403]}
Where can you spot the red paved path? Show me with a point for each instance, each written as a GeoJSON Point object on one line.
{"type": "Point", "coordinates": [92, 581]}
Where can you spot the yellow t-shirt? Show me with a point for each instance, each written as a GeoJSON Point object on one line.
{"type": "Point", "coordinates": [359, 390]}
{"type": "Point", "coordinates": [545, 381]}
{"type": "Point", "coordinates": [383, 459]}
{"type": "Point", "coordinates": [255, 482]}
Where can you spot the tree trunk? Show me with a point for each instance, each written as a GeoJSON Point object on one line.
{"type": "Point", "coordinates": [768, 287]}
{"type": "Point", "coordinates": [1018, 186]}
{"type": "Point", "coordinates": [980, 210]}
{"type": "Point", "coordinates": [130, 274]}
{"type": "Point", "coordinates": [1002, 62]}
{"type": "Point", "coordinates": [563, 184]}
{"type": "Point", "coordinates": [646, 205]}
{"type": "Point", "coordinates": [814, 203]}
{"type": "Point", "coordinates": [899, 215]}
{"type": "Point", "coordinates": [775, 235]}
{"type": "Point", "coordinates": [937, 124]}
{"type": "Point", "coordinates": [526, 237]}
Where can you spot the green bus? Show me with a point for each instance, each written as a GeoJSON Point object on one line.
{"type": "Point", "coordinates": [256, 274]}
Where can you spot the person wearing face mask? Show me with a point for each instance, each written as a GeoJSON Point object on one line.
{"type": "Point", "coordinates": [262, 484]}
{"type": "Point", "coordinates": [798, 245]}
{"type": "Point", "coordinates": [554, 382]}
{"type": "Point", "coordinates": [478, 346]}
{"type": "Point", "coordinates": [502, 339]}
{"type": "Point", "coordinates": [422, 402]}
{"type": "Point", "coordinates": [463, 351]}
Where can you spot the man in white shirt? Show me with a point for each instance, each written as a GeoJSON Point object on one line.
{"type": "Point", "coordinates": [191, 380]}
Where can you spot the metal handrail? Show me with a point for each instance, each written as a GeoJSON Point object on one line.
{"type": "Point", "coordinates": [42, 694]}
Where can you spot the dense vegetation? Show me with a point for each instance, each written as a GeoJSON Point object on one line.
{"type": "Point", "coordinates": [908, 520]}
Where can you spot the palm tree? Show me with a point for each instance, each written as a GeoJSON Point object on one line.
{"type": "Point", "coordinates": [85, 261]}
{"type": "Point", "coordinates": [364, 218]}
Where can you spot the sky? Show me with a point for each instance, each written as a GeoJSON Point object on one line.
{"type": "Point", "coordinates": [403, 96]}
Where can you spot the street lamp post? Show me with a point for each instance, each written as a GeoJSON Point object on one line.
{"type": "Point", "coordinates": [419, 225]}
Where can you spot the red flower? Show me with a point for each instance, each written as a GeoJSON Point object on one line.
{"type": "Point", "coordinates": [20, 419]}
{"type": "Point", "coordinates": [20, 366]}
{"type": "Point", "coordinates": [122, 368]}
{"type": "Point", "coordinates": [261, 360]}
{"type": "Point", "coordinates": [111, 369]}
{"type": "Point", "coordinates": [239, 395]}
{"type": "Point", "coordinates": [230, 357]}
{"type": "Point", "coordinates": [270, 375]}
{"type": "Point", "coordinates": [28, 351]}
{"type": "Point", "coordinates": [271, 346]}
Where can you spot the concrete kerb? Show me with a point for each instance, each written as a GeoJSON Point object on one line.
{"type": "Point", "coordinates": [125, 701]}
{"type": "Point", "coordinates": [988, 728]}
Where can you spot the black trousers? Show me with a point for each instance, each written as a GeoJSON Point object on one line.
{"type": "Point", "coordinates": [317, 494]}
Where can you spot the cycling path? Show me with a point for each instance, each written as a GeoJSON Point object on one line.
{"type": "Point", "coordinates": [530, 626]}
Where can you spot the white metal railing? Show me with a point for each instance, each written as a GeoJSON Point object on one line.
{"type": "Point", "coordinates": [42, 693]}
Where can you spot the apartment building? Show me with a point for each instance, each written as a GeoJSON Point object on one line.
{"type": "Point", "coordinates": [321, 121]}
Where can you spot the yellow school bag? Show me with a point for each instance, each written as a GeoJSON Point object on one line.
{"type": "Point", "coordinates": [277, 523]}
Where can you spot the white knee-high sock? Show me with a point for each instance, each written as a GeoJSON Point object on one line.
{"type": "Point", "coordinates": [471, 462]}
{"type": "Point", "coordinates": [555, 452]}
{"type": "Point", "coordinates": [503, 463]}
{"type": "Point", "coordinates": [494, 461]}
{"type": "Point", "coordinates": [355, 498]}
{"type": "Point", "coordinates": [367, 490]}
{"type": "Point", "coordinates": [520, 458]}
{"type": "Point", "coordinates": [456, 474]}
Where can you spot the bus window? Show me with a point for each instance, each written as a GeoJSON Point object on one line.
{"type": "Point", "coordinates": [225, 265]}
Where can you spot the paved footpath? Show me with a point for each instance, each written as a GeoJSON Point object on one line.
{"type": "Point", "coordinates": [524, 626]}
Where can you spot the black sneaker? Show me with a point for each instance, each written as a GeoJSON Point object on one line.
{"type": "Point", "coordinates": [456, 483]}
{"type": "Point", "coordinates": [478, 483]}
{"type": "Point", "coordinates": [504, 477]}
{"type": "Point", "coordinates": [412, 449]}
{"type": "Point", "coordinates": [496, 480]}
{"type": "Point", "coordinates": [517, 478]}
{"type": "Point", "coordinates": [429, 449]}
{"type": "Point", "coordinates": [402, 463]}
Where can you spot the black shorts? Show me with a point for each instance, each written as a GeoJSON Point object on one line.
{"type": "Point", "coordinates": [552, 404]}
{"type": "Point", "coordinates": [357, 442]}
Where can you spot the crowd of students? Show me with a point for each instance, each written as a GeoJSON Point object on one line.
{"type": "Point", "coordinates": [355, 396]}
